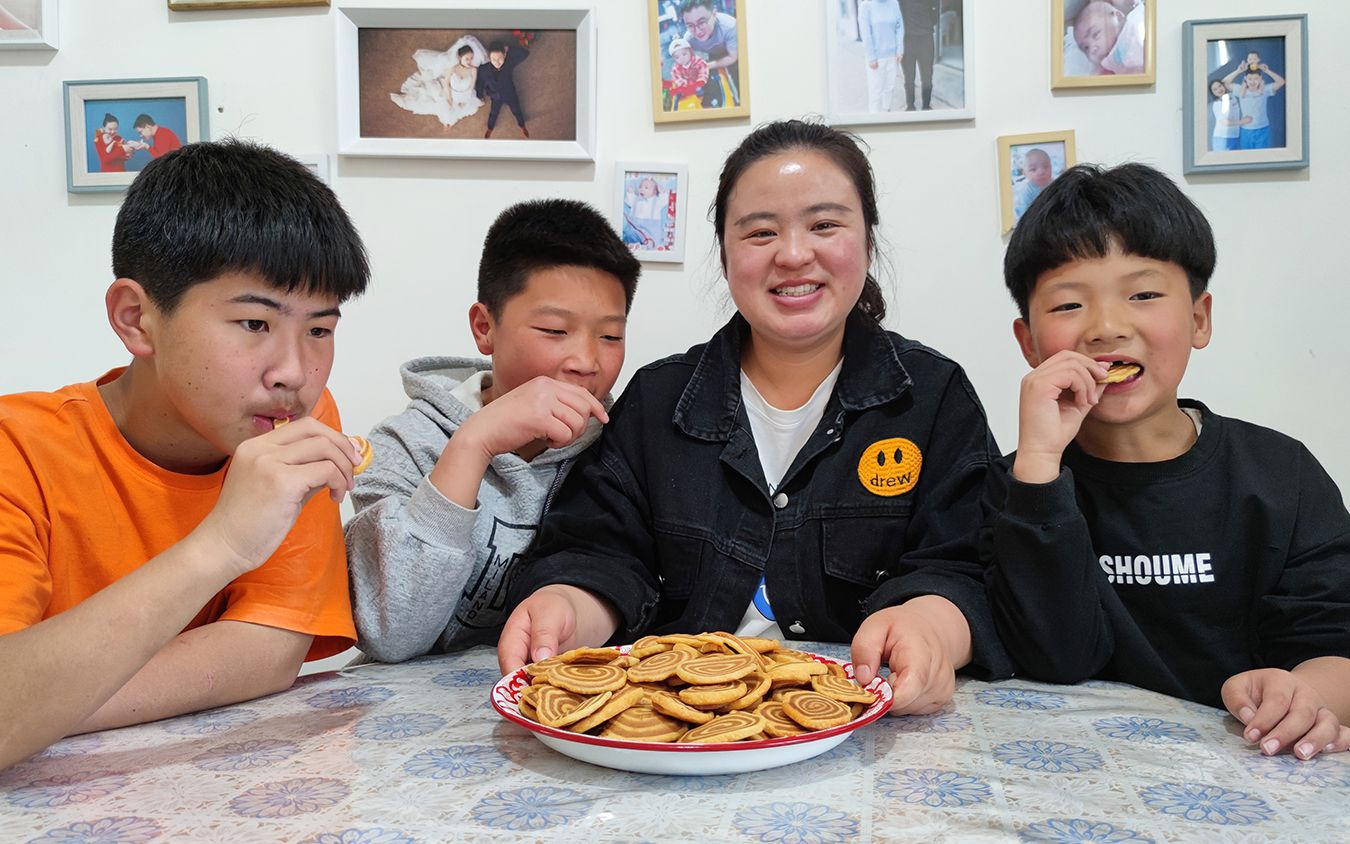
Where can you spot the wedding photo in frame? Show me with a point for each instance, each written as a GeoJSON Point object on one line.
{"type": "Point", "coordinates": [115, 127]}
{"type": "Point", "coordinates": [1245, 94]}
{"type": "Point", "coordinates": [1027, 164]}
{"type": "Point", "coordinates": [29, 25]}
{"type": "Point", "coordinates": [650, 203]}
{"type": "Point", "coordinates": [898, 61]}
{"type": "Point", "coordinates": [467, 80]}
{"type": "Point", "coordinates": [1102, 43]}
{"type": "Point", "coordinates": [700, 68]}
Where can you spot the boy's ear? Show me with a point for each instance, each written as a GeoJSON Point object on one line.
{"type": "Point", "coordinates": [132, 315]}
{"type": "Point", "coordinates": [1025, 342]}
{"type": "Point", "coordinates": [482, 325]}
{"type": "Point", "coordinates": [1202, 314]}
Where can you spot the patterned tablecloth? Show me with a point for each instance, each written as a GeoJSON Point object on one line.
{"type": "Point", "coordinates": [386, 754]}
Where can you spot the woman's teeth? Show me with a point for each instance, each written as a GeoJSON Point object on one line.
{"type": "Point", "coordinates": [796, 290]}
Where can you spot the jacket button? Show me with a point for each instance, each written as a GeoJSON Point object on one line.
{"type": "Point", "coordinates": [796, 627]}
{"type": "Point", "coordinates": [829, 432]}
{"type": "Point", "coordinates": [780, 500]}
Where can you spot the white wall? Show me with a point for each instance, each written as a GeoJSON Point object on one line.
{"type": "Point", "coordinates": [1280, 291]}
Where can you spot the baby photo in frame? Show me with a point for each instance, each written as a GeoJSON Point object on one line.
{"type": "Point", "coordinates": [1245, 94]}
{"type": "Point", "coordinates": [650, 205]}
{"type": "Point", "coordinates": [115, 127]}
{"type": "Point", "coordinates": [700, 69]}
{"type": "Point", "coordinates": [1027, 164]}
{"type": "Point", "coordinates": [1102, 43]}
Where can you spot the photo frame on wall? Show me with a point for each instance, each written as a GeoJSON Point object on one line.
{"type": "Point", "coordinates": [467, 79]}
{"type": "Point", "coordinates": [1102, 43]}
{"type": "Point", "coordinates": [114, 127]}
{"type": "Point", "coordinates": [1245, 94]}
{"type": "Point", "coordinates": [29, 25]}
{"type": "Point", "coordinates": [898, 61]}
{"type": "Point", "coordinates": [195, 5]}
{"type": "Point", "coordinates": [649, 209]}
{"type": "Point", "coordinates": [1026, 165]}
{"type": "Point", "coordinates": [700, 68]}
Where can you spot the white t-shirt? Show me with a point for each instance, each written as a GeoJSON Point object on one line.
{"type": "Point", "coordinates": [779, 435]}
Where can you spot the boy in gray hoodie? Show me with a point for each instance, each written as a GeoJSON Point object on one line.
{"type": "Point", "coordinates": [463, 476]}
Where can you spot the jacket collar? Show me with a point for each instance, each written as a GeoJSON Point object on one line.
{"type": "Point", "coordinates": [872, 375]}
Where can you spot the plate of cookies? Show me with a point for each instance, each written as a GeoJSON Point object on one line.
{"type": "Point", "coordinates": [690, 704]}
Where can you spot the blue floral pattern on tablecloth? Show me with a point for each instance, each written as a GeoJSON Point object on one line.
{"type": "Point", "coordinates": [1318, 772]}
{"type": "Point", "coordinates": [1145, 730]}
{"type": "Point", "coordinates": [1026, 700]}
{"type": "Point", "coordinates": [464, 678]}
{"type": "Point", "coordinates": [290, 797]}
{"type": "Point", "coordinates": [128, 830]}
{"type": "Point", "coordinates": [938, 722]}
{"type": "Point", "coordinates": [1205, 803]}
{"type": "Point", "coordinates": [349, 697]}
{"type": "Point", "coordinates": [1079, 831]}
{"type": "Point", "coordinates": [64, 789]}
{"type": "Point", "coordinates": [531, 808]}
{"type": "Point", "coordinates": [932, 787]}
{"type": "Point", "coordinates": [241, 755]}
{"type": "Point", "coordinates": [377, 835]}
{"type": "Point", "coordinates": [398, 726]}
{"type": "Point", "coordinates": [215, 721]}
{"type": "Point", "coordinates": [457, 762]}
{"type": "Point", "coordinates": [654, 782]}
{"type": "Point", "coordinates": [796, 823]}
{"type": "Point", "coordinates": [1050, 756]}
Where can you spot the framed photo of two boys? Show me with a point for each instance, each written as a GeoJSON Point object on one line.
{"type": "Point", "coordinates": [700, 67]}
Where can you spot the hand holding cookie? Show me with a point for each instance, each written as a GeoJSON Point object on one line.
{"type": "Point", "coordinates": [1055, 398]}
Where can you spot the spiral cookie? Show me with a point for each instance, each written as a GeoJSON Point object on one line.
{"type": "Point", "coordinates": [659, 666]}
{"type": "Point", "coordinates": [1120, 371]}
{"type": "Point", "coordinates": [733, 726]}
{"type": "Point", "coordinates": [558, 707]}
{"type": "Point", "coordinates": [625, 699]}
{"type": "Point", "coordinates": [757, 683]}
{"type": "Point", "coordinates": [776, 723]}
{"type": "Point", "coordinates": [841, 689]}
{"type": "Point", "coordinates": [676, 708]}
{"type": "Point", "coordinates": [814, 710]}
{"type": "Point", "coordinates": [643, 723]}
{"type": "Point", "coordinates": [367, 454]}
{"type": "Point", "coordinates": [713, 695]}
{"type": "Point", "coordinates": [588, 679]}
{"type": "Point", "coordinates": [716, 668]}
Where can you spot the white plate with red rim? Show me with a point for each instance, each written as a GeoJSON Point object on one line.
{"type": "Point", "coordinates": [686, 759]}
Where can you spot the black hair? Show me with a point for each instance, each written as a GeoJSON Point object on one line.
{"type": "Point", "coordinates": [212, 208]}
{"type": "Point", "coordinates": [544, 233]}
{"type": "Point", "coordinates": [1090, 210]}
{"type": "Point", "coordinates": [109, 117]}
{"type": "Point", "coordinates": [464, 49]}
{"type": "Point", "coordinates": [496, 47]}
{"type": "Point", "coordinates": [840, 147]}
{"type": "Point", "coordinates": [693, 4]}
{"type": "Point", "coordinates": [1211, 87]}
{"type": "Point", "coordinates": [144, 120]}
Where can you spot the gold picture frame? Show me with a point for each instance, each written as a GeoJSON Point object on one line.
{"type": "Point", "coordinates": [1128, 60]}
{"type": "Point", "coordinates": [1016, 187]}
{"type": "Point", "coordinates": [680, 96]}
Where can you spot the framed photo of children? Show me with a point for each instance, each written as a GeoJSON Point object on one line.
{"type": "Point", "coordinates": [899, 61]}
{"type": "Point", "coordinates": [28, 25]}
{"type": "Point", "coordinates": [1098, 43]}
{"type": "Point", "coordinates": [1245, 94]}
{"type": "Point", "coordinates": [114, 127]}
{"type": "Point", "coordinates": [650, 204]}
{"type": "Point", "coordinates": [468, 79]}
{"type": "Point", "coordinates": [700, 67]}
{"type": "Point", "coordinates": [1026, 165]}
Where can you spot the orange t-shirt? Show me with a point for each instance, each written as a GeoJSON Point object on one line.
{"type": "Point", "coordinates": [80, 508]}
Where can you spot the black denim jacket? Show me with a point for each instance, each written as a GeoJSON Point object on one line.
{"type": "Point", "coordinates": [669, 517]}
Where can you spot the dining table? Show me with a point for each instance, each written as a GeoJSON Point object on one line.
{"type": "Point", "coordinates": [415, 752]}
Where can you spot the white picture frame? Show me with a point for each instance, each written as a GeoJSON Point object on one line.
{"type": "Point", "coordinates": [30, 25]}
{"type": "Point", "coordinates": [652, 225]}
{"type": "Point", "coordinates": [847, 83]}
{"type": "Point", "coordinates": [467, 15]}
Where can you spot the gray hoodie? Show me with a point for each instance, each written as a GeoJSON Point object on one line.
{"type": "Point", "coordinates": [428, 575]}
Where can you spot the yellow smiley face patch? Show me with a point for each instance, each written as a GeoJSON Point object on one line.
{"type": "Point", "coordinates": [890, 467]}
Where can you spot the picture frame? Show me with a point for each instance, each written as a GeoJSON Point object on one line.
{"type": "Point", "coordinates": [217, 5]}
{"type": "Point", "coordinates": [1022, 175]}
{"type": "Point", "coordinates": [650, 204]}
{"type": "Point", "coordinates": [317, 163]}
{"type": "Point", "coordinates": [103, 155]}
{"type": "Point", "coordinates": [30, 25]}
{"type": "Point", "coordinates": [858, 94]}
{"type": "Point", "coordinates": [390, 60]}
{"type": "Point", "coordinates": [1103, 43]}
{"type": "Point", "coordinates": [699, 83]}
{"type": "Point", "coordinates": [1273, 92]}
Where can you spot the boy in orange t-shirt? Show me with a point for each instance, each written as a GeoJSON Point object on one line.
{"type": "Point", "coordinates": [162, 548]}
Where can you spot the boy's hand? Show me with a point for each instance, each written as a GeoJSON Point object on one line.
{"type": "Point", "coordinates": [270, 479]}
{"type": "Point", "coordinates": [1056, 397]}
{"type": "Point", "coordinates": [1281, 710]}
{"type": "Point", "coordinates": [554, 619]}
{"type": "Point", "coordinates": [922, 675]}
{"type": "Point", "coordinates": [542, 409]}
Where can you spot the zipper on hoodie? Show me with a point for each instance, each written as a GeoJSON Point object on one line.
{"type": "Point", "coordinates": [553, 487]}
